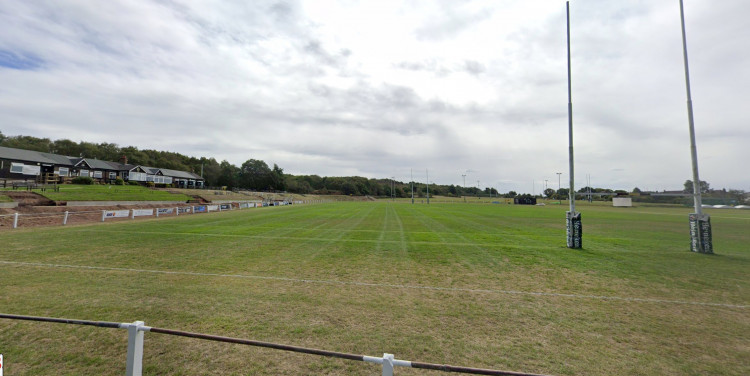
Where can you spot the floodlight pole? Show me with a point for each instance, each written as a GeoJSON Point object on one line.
{"type": "Point", "coordinates": [428, 185]}
{"type": "Point", "coordinates": [700, 224]}
{"type": "Point", "coordinates": [558, 186]}
{"type": "Point", "coordinates": [393, 186]}
{"type": "Point", "coordinates": [464, 190]}
{"type": "Point", "coordinates": [411, 171]}
{"type": "Point", "coordinates": [574, 226]}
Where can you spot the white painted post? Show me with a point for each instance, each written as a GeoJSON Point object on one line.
{"type": "Point", "coordinates": [176, 211]}
{"type": "Point", "coordinates": [192, 210]}
{"type": "Point", "coordinates": [219, 207]}
{"type": "Point", "coordinates": [134, 365]}
{"type": "Point", "coordinates": [387, 364]}
{"type": "Point", "coordinates": [132, 213]}
{"type": "Point", "coordinates": [157, 212]}
{"type": "Point", "coordinates": [15, 220]}
{"type": "Point", "coordinates": [65, 219]}
{"type": "Point", "coordinates": [103, 214]}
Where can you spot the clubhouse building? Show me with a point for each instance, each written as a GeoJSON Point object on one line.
{"type": "Point", "coordinates": [47, 168]}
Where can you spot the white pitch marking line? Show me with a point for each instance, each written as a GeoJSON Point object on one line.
{"type": "Point", "coordinates": [368, 284]}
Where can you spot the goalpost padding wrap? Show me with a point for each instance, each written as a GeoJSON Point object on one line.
{"type": "Point", "coordinates": [574, 230]}
{"type": "Point", "coordinates": [700, 233]}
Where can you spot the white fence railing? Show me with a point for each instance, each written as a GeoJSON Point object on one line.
{"type": "Point", "coordinates": [137, 330]}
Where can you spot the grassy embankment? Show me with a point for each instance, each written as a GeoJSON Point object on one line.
{"type": "Point", "coordinates": [75, 192]}
{"type": "Point", "coordinates": [489, 286]}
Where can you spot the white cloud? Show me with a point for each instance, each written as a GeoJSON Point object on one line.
{"type": "Point", "coordinates": [377, 88]}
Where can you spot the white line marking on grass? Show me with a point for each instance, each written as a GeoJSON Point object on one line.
{"type": "Point", "coordinates": [389, 285]}
{"type": "Point", "coordinates": [340, 239]}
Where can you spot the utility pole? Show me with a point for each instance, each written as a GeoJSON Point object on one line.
{"type": "Point", "coordinates": [558, 186]}
{"type": "Point", "coordinates": [700, 224]}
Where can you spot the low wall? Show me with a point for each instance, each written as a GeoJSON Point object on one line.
{"type": "Point", "coordinates": [114, 203]}
{"type": "Point", "coordinates": [8, 205]}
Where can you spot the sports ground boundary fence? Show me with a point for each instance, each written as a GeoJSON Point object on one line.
{"type": "Point", "coordinates": [17, 220]}
{"type": "Point", "coordinates": [136, 334]}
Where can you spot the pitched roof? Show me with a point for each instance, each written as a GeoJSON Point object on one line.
{"type": "Point", "coordinates": [33, 156]}
{"type": "Point", "coordinates": [180, 174]}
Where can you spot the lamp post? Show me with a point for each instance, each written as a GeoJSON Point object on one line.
{"type": "Point", "coordinates": [558, 186]}
{"type": "Point", "coordinates": [700, 224]}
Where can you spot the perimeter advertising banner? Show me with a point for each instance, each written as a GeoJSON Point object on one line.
{"type": "Point", "coordinates": [199, 209]}
{"type": "Point", "coordinates": [117, 213]}
{"type": "Point", "coordinates": [142, 212]}
{"type": "Point", "coordinates": [226, 206]}
{"type": "Point", "coordinates": [165, 210]}
{"type": "Point", "coordinates": [213, 207]}
{"type": "Point", "coordinates": [186, 209]}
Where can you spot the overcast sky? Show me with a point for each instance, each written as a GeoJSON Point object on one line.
{"type": "Point", "coordinates": [377, 88]}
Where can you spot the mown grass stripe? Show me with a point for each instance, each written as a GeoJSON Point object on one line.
{"type": "Point", "coordinates": [384, 285]}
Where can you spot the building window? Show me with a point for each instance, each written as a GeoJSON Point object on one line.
{"type": "Point", "coordinates": [16, 168]}
{"type": "Point", "coordinates": [112, 175]}
{"type": "Point", "coordinates": [83, 173]}
{"type": "Point", "coordinates": [62, 171]}
{"type": "Point", "coordinates": [20, 168]}
{"type": "Point", "coordinates": [97, 174]}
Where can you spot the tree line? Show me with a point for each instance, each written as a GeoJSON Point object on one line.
{"type": "Point", "coordinates": [253, 174]}
{"type": "Point", "coordinates": [257, 175]}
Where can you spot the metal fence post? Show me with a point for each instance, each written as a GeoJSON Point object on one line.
{"type": "Point", "coordinates": [387, 364]}
{"type": "Point", "coordinates": [15, 220]}
{"type": "Point", "coordinates": [65, 219]}
{"type": "Point", "coordinates": [134, 365]}
{"type": "Point", "coordinates": [103, 213]}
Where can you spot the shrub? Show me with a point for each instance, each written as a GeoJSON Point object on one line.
{"type": "Point", "coordinates": [119, 181]}
{"type": "Point", "coordinates": [133, 183]}
{"type": "Point", "coordinates": [150, 184]}
{"type": "Point", "coordinates": [83, 180]}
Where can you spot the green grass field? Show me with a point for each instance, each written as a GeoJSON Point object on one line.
{"type": "Point", "coordinates": [75, 192]}
{"type": "Point", "coordinates": [488, 286]}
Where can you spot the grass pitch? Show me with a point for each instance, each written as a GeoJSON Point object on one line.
{"type": "Point", "coordinates": [489, 286]}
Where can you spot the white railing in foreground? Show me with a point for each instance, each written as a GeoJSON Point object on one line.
{"type": "Point", "coordinates": [136, 333]}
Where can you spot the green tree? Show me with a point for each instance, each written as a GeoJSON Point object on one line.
{"type": "Point", "coordinates": [255, 174]}
{"type": "Point", "coordinates": [689, 186]}
{"type": "Point", "coordinates": [549, 192]}
{"type": "Point", "coordinates": [277, 178]}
